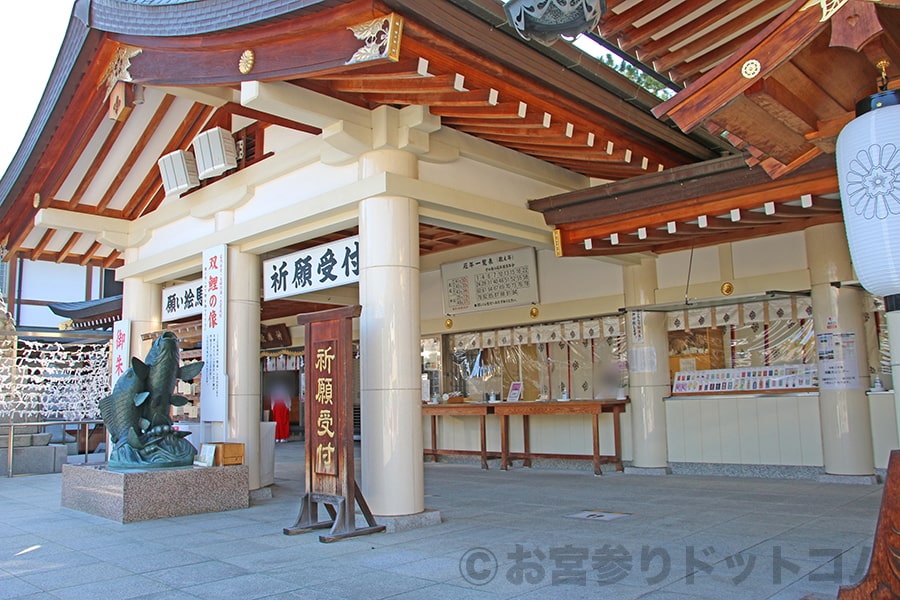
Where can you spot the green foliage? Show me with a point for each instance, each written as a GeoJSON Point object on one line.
{"type": "Point", "coordinates": [638, 76]}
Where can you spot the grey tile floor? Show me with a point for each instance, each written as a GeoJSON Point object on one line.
{"type": "Point", "coordinates": [504, 535]}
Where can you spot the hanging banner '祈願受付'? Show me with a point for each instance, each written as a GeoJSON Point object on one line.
{"type": "Point", "coordinates": [319, 268]}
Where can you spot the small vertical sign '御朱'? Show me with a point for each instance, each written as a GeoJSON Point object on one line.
{"type": "Point", "coordinates": [121, 349]}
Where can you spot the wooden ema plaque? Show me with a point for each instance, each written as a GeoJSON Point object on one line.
{"type": "Point", "coordinates": [882, 579]}
{"type": "Point", "coordinates": [329, 429]}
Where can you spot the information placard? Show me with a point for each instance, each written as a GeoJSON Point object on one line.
{"type": "Point", "coordinates": [488, 282]}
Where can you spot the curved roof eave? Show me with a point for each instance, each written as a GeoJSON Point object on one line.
{"type": "Point", "coordinates": [89, 21]}
{"type": "Point", "coordinates": [189, 17]}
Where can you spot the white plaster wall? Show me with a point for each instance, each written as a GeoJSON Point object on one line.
{"type": "Point", "coordinates": [49, 281]}
{"type": "Point", "coordinates": [484, 180]}
{"type": "Point", "coordinates": [277, 196]}
{"type": "Point", "coordinates": [672, 268]}
{"type": "Point", "coordinates": [279, 138]}
{"type": "Point", "coordinates": [777, 253]}
{"type": "Point", "coordinates": [573, 278]}
{"type": "Point", "coordinates": [431, 294]}
{"type": "Point", "coordinates": [38, 316]}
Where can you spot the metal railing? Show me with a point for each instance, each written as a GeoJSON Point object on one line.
{"type": "Point", "coordinates": [43, 424]}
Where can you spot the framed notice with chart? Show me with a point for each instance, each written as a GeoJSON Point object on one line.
{"type": "Point", "coordinates": [515, 390]}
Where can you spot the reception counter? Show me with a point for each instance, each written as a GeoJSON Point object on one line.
{"type": "Point", "coordinates": [561, 431]}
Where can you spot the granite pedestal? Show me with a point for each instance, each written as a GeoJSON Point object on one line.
{"type": "Point", "coordinates": [141, 495]}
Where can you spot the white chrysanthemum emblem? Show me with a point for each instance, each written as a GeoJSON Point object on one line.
{"type": "Point", "coordinates": [873, 182]}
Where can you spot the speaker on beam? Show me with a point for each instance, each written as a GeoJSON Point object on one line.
{"type": "Point", "coordinates": [179, 172]}
{"type": "Point", "coordinates": [215, 152]}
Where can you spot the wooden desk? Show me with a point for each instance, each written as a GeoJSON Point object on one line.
{"type": "Point", "coordinates": [575, 407]}
{"type": "Point", "coordinates": [464, 409]}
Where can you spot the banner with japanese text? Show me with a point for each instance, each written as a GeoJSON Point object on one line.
{"type": "Point", "coordinates": [322, 267]}
{"type": "Point", "coordinates": [182, 300]}
{"type": "Point", "coordinates": [214, 383]}
{"type": "Point", "coordinates": [121, 350]}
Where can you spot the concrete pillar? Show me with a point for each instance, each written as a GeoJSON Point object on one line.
{"type": "Point", "coordinates": [242, 356]}
{"type": "Point", "coordinates": [838, 321]}
{"type": "Point", "coordinates": [648, 370]}
{"type": "Point", "coordinates": [390, 369]}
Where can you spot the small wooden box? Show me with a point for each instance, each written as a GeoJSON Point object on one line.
{"type": "Point", "coordinates": [228, 453]}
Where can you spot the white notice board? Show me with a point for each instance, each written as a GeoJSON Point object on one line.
{"type": "Point", "coordinates": [498, 280]}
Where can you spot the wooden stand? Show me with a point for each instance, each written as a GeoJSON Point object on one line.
{"type": "Point", "coordinates": [343, 517]}
{"type": "Point", "coordinates": [329, 429]}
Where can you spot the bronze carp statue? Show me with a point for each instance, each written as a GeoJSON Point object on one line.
{"type": "Point", "coordinates": [136, 413]}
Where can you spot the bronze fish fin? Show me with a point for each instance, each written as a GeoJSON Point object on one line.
{"type": "Point", "coordinates": [189, 371]}
{"type": "Point", "coordinates": [133, 440]}
{"type": "Point", "coordinates": [140, 368]}
{"type": "Point", "coordinates": [178, 400]}
{"type": "Point", "coordinates": [140, 398]}
{"type": "Point", "coordinates": [145, 424]}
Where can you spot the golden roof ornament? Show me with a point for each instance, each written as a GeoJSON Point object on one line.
{"type": "Point", "coordinates": [829, 7]}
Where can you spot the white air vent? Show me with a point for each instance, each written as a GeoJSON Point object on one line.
{"type": "Point", "coordinates": [179, 172]}
{"type": "Point", "coordinates": [215, 152]}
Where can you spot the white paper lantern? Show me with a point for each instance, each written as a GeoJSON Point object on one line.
{"type": "Point", "coordinates": [868, 166]}
{"type": "Point", "coordinates": [179, 172]}
{"type": "Point", "coordinates": [215, 152]}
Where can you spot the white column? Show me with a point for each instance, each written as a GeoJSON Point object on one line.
{"type": "Point", "coordinates": [243, 356]}
{"type": "Point", "coordinates": [838, 314]}
{"type": "Point", "coordinates": [648, 368]}
{"type": "Point", "coordinates": [390, 380]}
{"type": "Point", "coordinates": [142, 305]}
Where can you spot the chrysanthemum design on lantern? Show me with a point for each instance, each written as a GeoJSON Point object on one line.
{"type": "Point", "coordinates": [873, 182]}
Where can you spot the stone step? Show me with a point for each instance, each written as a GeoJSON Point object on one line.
{"type": "Point", "coordinates": [20, 429]}
{"type": "Point", "coordinates": [40, 439]}
{"type": "Point", "coordinates": [19, 441]}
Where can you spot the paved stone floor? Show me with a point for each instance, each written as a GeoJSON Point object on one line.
{"type": "Point", "coordinates": [504, 535]}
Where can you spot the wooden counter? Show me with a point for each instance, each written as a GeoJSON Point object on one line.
{"type": "Point", "coordinates": [463, 409]}
{"type": "Point", "coordinates": [575, 407]}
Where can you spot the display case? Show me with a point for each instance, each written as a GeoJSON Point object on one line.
{"type": "Point", "coordinates": [696, 350]}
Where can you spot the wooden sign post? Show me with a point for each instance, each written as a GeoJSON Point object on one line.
{"type": "Point", "coordinates": [329, 429]}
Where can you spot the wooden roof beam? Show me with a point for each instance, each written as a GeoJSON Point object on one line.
{"type": "Point", "coordinates": [89, 255]}
{"type": "Point", "coordinates": [699, 57]}
{"type": "Point", "coordinates": [477, 98]}
{"type": "Point", "coordinates": [775, 44]}
{"type": "Point", "coordinates": [784, 105]}
{"type": "Point", "coordinates": [99, 159]}
{"type": "Point", "coordinates": [67, 248]}
{"type": "Point", "coordinates": [42, 244]}
{"type": "Point", "coordinates": [612, 23]}
{"type": "Point", "coordinates": [135, 153]}
{"type": "Point", "coordinates": [632, 38]}
{"type": "Point", "coordinates": [194, 121]}
{"type": "Point", "coordinates": [739, 20]}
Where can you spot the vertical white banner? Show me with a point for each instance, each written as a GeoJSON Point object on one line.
{"type": "Point", "coordinates": [213, 382]}
{"type": "Point", "coordinates": [121, 350]}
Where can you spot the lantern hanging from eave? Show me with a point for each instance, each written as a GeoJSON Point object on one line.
{"type": "Point", "coordinates": [546, 20]}
{"type": "Point", "coordinates": [868, 166]}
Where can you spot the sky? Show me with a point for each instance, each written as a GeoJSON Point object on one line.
{"type": "Point", "coordinates": [31, 34]}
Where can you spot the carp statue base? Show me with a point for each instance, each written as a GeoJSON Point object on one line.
{"type": "Point", "coordinates": [142, 495]}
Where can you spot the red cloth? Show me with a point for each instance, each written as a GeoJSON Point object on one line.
{"type": "Point", "coordinates": [282, 421]}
